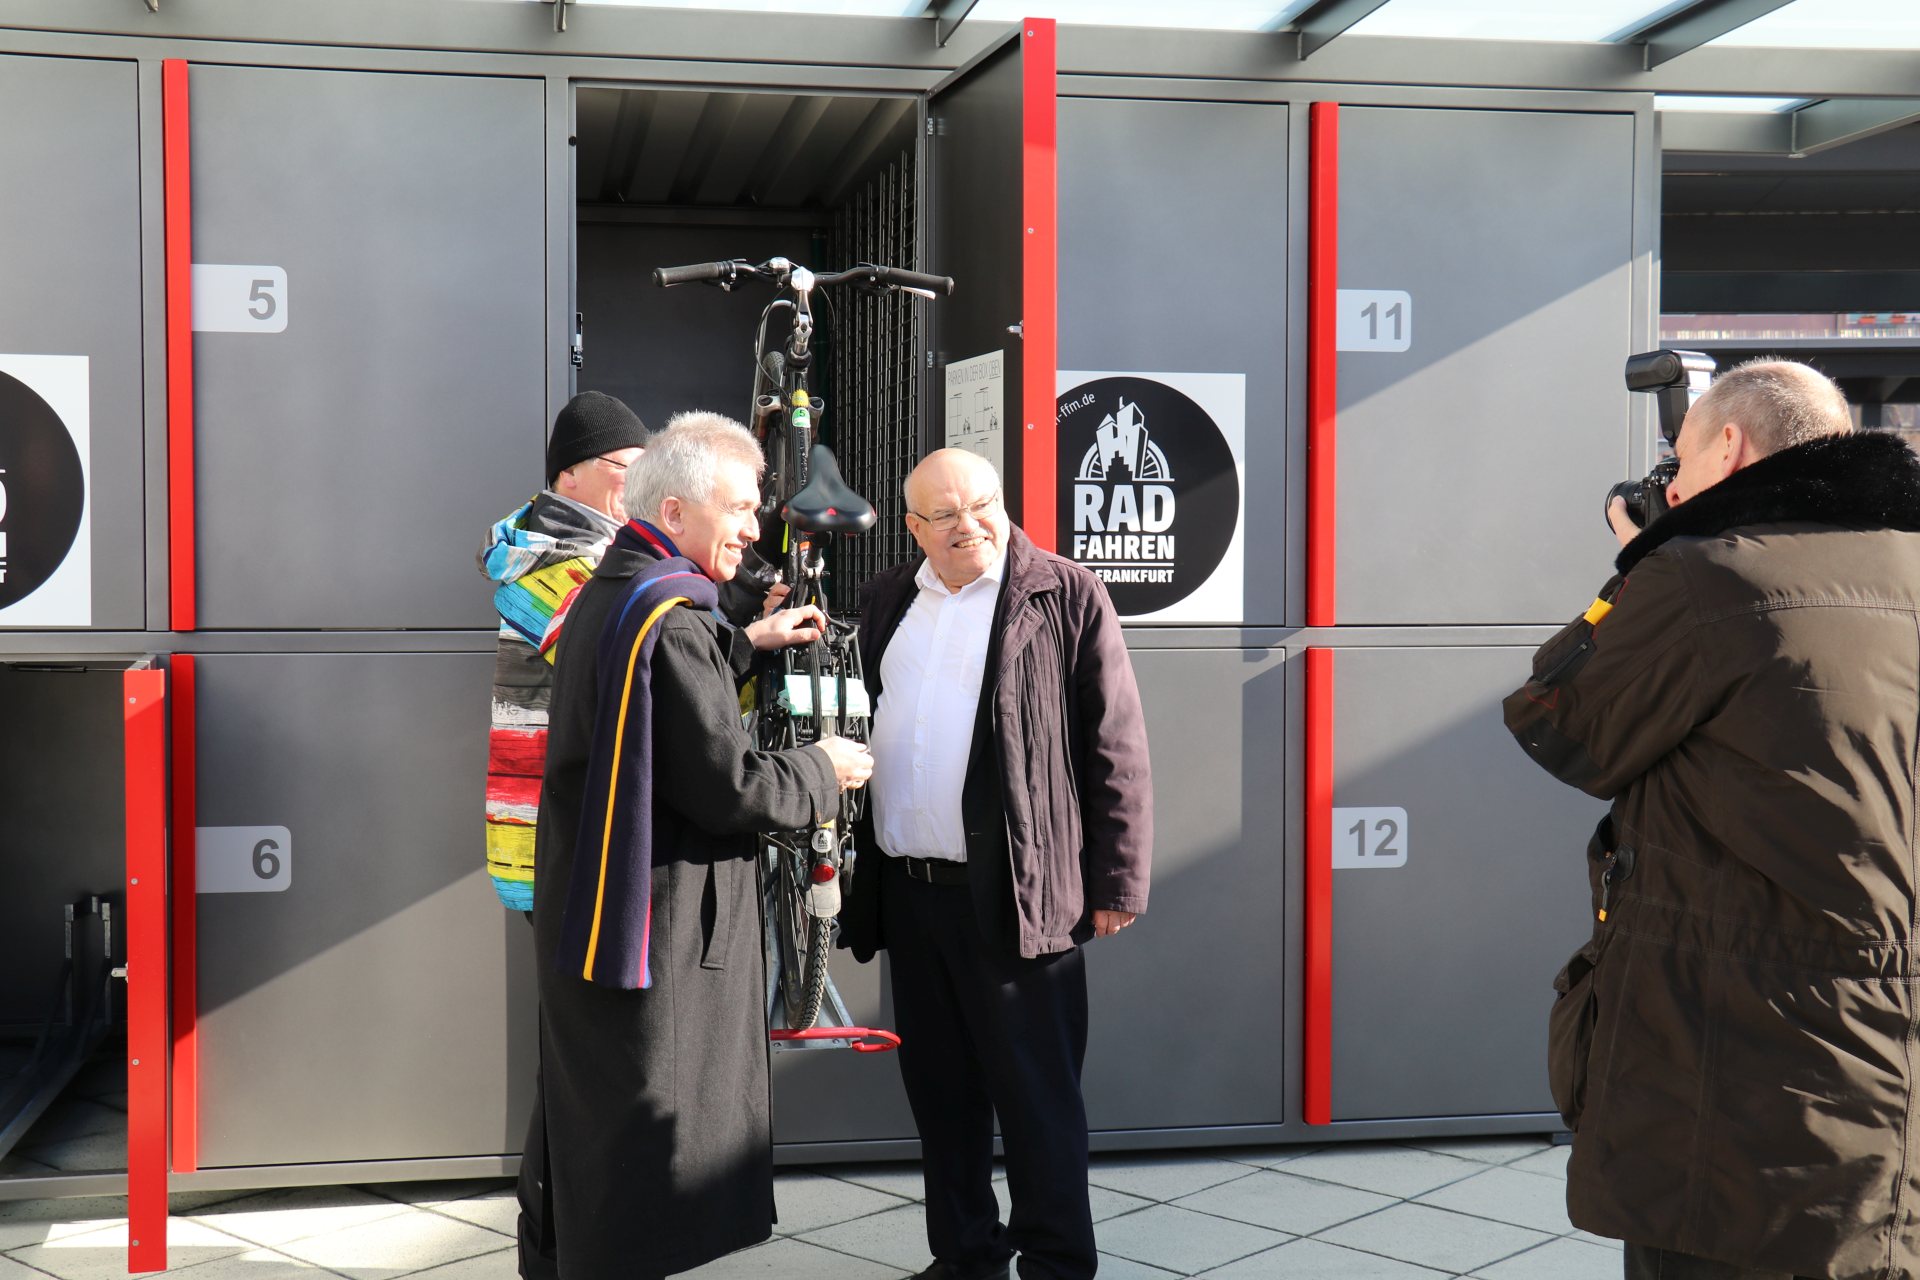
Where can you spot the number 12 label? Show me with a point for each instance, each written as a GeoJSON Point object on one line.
{"type": "Point", "coordinates": [1373, 320]}
{"type": "Point", "coordinates": [1369, 839]}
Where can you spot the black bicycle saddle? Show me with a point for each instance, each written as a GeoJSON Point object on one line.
{"type": "Point", "coordinates": [826, 504]}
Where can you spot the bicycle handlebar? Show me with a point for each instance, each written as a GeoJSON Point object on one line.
{"type": "Point", "coordinates": [898, 276]}
{"type": "Point", "coordinates": [667, 277]}
{"type": "Point", "coordinates": [866, 272]}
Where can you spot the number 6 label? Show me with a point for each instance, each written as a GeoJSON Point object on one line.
{"type": "Point", "coordinates": [1369, 839]}
{"type": "Point", "coordinates": [243, 859]}
{"type": "Point", "coordinates": [1373, 320]}
{"type": "Point", "coordinates": [231, 299]}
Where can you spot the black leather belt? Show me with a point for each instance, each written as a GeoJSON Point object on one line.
{"type": "Point", "coordinates": [934, 870]}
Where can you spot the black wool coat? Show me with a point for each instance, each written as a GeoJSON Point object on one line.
{"type": "Point", "coordinates": [659, 1135]}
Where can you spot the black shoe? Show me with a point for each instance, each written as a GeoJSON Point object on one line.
{"type": "Point", "coordinates": [1002, 1270]}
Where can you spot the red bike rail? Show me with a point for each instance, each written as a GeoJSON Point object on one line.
{"type": "Point", "coordinates": [859, 1039]}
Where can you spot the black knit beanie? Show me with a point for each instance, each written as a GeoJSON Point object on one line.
{"type": "Point", "coordinates": [590, 424]}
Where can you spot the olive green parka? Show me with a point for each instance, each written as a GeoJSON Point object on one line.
{"type": "Point", "coordinates": [1735, 1047]}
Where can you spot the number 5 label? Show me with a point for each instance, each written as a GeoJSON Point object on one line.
{"type": "Point", "coordinates": [1369, 839]}
{"type": "Point", "coordinates": [1373, 320]}
{"type": "Point", "coordinates": [230, 299]}
{"type": "Point", "coordinates": [243, 859]}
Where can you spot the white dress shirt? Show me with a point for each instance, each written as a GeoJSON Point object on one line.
{"type": "Point", "coordinates": [923, 726]}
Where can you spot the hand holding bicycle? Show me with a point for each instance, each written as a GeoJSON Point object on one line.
{"type": "Point", "coordinates": [852, 762]}
{"type": "Point", "coordinates": [786, 627]}
{"type": "Point", "coordinates": [775, 594]}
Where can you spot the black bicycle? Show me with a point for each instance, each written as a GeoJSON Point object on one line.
{"type": "Point", "coordinates": [816, 691]}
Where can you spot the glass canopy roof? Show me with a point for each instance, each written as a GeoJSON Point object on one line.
{"type": "Point", "coordinates": [1804, 24]}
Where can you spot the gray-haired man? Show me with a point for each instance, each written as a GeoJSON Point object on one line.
{"type": "Point", "coordinates": [653, 1031]}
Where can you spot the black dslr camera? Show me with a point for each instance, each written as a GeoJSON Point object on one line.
{"type": "Point", "coordinates": [1676, 379]}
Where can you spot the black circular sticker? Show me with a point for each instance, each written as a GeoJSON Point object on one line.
{"type": "Point", "coordinates": [42, 491]}
{"type": "Point", "coordinates": [1149, 496]}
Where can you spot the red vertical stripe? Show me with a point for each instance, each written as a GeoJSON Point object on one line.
{"type": "Point", "coordinates": [1317, 1040]}
{"type": "Point", "coordinates": [146, 823]}
{"type": "Point", "coordinates": [1323, 264]}
{"type": "Point", "coordinates": [183, 884]}
{"type": "Point", "coordinates": [178, 186]}
{"type": "Point", "coordinates": [1040, 267]}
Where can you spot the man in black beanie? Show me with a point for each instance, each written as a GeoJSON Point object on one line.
{"type": "Point", "coordinates": [593, 427]}
{"type": "Point", "coordinates": [537, 557]}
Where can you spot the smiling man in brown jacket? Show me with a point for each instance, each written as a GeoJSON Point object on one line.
{"type": "Point", "coordinates": [1012, 820]}
{"type": "Point", "coordinates": [1735, 1048]}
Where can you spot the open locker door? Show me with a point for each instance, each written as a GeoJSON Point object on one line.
{"type": "Point", "coordinates": [145, 749]}
{"type": "Point", "coordinates": [995, 230]}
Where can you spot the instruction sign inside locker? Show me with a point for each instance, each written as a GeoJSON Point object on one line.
{"type": "Point", "coordinates": [1151, 490]}
{"type": "Point", "coordinates": [46, 552]}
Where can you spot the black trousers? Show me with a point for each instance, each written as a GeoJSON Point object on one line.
{"type": "Point", "coordinates": [1645, 1262]}
{"type": "Point", "coordinates": [984, 1034]}
{"type": "Point", "coordinates": [538, 1260]}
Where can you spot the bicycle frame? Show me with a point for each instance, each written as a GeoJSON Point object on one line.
{"type": "Point", "coordinates": [803, 871]}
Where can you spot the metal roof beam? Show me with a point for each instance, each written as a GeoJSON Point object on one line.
{"type": "Point", "coordinates": [1315, 26]}
{"type": "Point", "coordinates": [1727, 132]}
{"type": "Point", "coordinates": [947, 16]}
{"type": "Point", "coordinates": [1837, 121]}
{"type": "Point", "coordinates": [1671, 34]}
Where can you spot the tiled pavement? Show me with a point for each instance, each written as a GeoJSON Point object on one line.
{"type": "Point", "coordinates": [1490, 1208]}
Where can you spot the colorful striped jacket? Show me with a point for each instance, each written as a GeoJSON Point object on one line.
{"type": "Point", "coordinates": [538, 557]}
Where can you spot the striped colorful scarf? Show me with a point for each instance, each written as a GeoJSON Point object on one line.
{"type": "Point", "coordinates": [609, 914]}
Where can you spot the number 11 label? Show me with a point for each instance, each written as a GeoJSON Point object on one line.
{"type": "Point", "coordinates": [1369, 839]}
{"type": "Point", "coordinates": [1373, 320]}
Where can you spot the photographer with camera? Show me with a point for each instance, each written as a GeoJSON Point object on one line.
{"type": "Point", "coordinates": [1735, 1047]}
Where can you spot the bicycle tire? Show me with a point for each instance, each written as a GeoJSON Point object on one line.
{"type": "Point", "coordinates": [805, 943]}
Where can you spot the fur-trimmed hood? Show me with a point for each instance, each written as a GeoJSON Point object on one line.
{"type": "Point", "coordinates": [1865, 480]}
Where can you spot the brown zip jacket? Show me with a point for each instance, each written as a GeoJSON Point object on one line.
{"type": "Point", "coordinates": [1735, 1046]}
{"type": "Point", "coordinates": [1058, 799]}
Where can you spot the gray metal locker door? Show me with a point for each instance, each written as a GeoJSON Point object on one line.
{"type": "Point", "coordinates": [995, 238]}
{"type": "Point", "coordinates": [70, 314]}
{"type": "Point", "coordinates": [387, 400]}
{"type": "Point", "coordinates": [1464, 891]}
{"type": "Point", "coordinates": [1173, 260]}
{"type": "Point", "coordinates": [1473, 463]}
{"type": "Point", "coordinates": [363, 995]}
{"type": "Point", "coordinates": [1186, 1006]}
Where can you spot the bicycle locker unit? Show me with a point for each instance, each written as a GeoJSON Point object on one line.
{"type": "Point", "coordinates": [1361, 888]}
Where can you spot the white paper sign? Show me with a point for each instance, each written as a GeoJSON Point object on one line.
{"type": "Point", "coordinates": [243, 859]}
{"type": "Point", "coordinates": [238, 299]}
{"type": "Point", "coordinates": [46, 493]}
{"type": "Point", "coordinates": [1373, 320]}
{"type": "Point", "coordinates": [1369, 839]}
{"type": "Point", "coordinates": [976, 407]}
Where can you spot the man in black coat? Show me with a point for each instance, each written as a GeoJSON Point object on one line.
{"type": "Point", "coordinates": [653, 1044]}
{"type": "Point", "coordinates": [1013, 817]}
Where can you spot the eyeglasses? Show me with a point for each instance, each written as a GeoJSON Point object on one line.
{"type": "Point", "coordinates": [948, 521]}
{"type": "Point", "coordinates": [614, 463]}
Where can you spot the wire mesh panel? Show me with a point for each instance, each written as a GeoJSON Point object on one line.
{"type": "Point", "coordinates": [875, 425]}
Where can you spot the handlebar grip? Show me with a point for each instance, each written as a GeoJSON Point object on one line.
{"type": "Point", "coordinates": [914, 279]}
{"type": "Point", "coordinates": [667, 277]}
